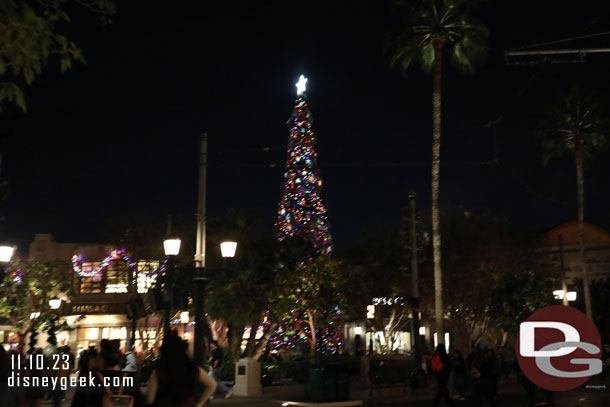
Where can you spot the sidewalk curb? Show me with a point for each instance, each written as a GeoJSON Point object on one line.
{"type": "Point", "coordinates": [352, 403]}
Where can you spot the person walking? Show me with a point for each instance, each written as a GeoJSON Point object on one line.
{"type": "Point", "coordinates": [177, 381]}
{"type": "Point", "coordinates": [481, 371]}
{"type": "Point", "coordinates": [530, 389]}
{"type": "Point", "coordinates": [61, 373]}
{"type": "Point", "coordinates": [495, 370]}
{"type": "Point", "coordinates": [129, 363]}
{"type": "Point", "coordinates": [458, 374]}
{"type": "Point", "coordinates": [506, 356]}
{"type": "Point", "coordinates": [109, 375]}
{"type": "Point", "coordinates": [215, 364]}
{"type": "Point", "coordinates": [34, 396]}
{"type": "Point", "coordinates": [441, 366]}
{"type": "Point", "coordinates": [87, 363]}
{"type": "Point", "coordinates": [10, 396]}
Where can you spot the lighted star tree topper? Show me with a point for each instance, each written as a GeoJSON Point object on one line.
{"type": "Point", "coordinates": [301, 212]}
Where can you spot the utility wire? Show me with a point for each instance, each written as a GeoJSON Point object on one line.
{"type": "Point", "coordinates": [494, 123]}
{"type": "Point", "coordinates": [365, 165]}
{"type": "Point", "coordinates": [562, 41]}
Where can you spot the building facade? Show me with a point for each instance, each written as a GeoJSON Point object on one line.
{"type": "Point", "coordinates": [597, 246]}
{"type": "Point", "coordinates": [104, 281]}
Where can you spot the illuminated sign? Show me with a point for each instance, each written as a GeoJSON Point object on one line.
{"type": "Point", "coordinates": [389, 301]}
{"type": "Point", "coordinates": [98, 309]}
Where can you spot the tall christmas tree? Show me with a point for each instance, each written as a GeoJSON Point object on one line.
{"type": "Point", "coordinates": [301, 211]}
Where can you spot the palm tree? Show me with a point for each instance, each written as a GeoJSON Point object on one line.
{"type": "Point", "coordinates": [430, 28]}
{"type": "Point", "coordinates": [576, 127]}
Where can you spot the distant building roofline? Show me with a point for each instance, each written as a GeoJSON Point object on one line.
{"type": "Point", "coordinates": [593, 235]}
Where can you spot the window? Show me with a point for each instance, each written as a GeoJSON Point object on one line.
{"type": "Point", "coordinates": [145, 280]}
{"type": "Point", "coordinates": [114, 333]}
{"type": "Point", "coordinates": [88, 334]}
{"type": "Point", "coordinates": [117, 277]}
{"type": "Point", "coordinates": [90, 285]}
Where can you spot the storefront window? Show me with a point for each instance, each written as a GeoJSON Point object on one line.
{"type": "Point", "coordinates": [88, 334]}
{"type": "Point", "coordinates": [114, 333]}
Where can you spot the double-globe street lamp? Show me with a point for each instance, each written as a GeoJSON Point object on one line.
{"type": "Point", "coordinates": [569, 295]}
{"type": "Point", "coordinates": [171, 247]}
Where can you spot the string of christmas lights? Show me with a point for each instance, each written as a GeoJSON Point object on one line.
{"type": "Point", "coordinates": [15, 277]}
{"type": "Point", "coordinates": [114, 255]}
{"type": "Point", "coordinates": [295, 331]}
{"type": "Point", "coordinates": [160, 270]}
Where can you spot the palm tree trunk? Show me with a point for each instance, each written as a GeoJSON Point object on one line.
{"type": "Point", "coordinates": [235, 339]}
{"type": "Point", "coordinates": [254, 324]}
{"type": "Point", "coordinates": [314, 338]}
{"type": "Point", "coordinates": [436, 160]}
{"type": "Point", "coordinates": [581, 228]}
{"type": "Point", "coordinates": [262, 342]}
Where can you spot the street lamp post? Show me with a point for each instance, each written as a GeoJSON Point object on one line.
{"type": "Point", "coordinates": [227, 250]}
{"type": "Point", "coordinates": [6, 254]}
{"type": "Point", "coordinates": [564, 284]}
{"type": "Point", "coordinates": [54, 304]}
{"type": "Point", "coordinates": [418, 378]}
{"type": "Point", "coordinates": [172, 248]}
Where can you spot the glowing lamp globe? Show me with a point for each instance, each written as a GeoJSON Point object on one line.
{"type": "Point", "coordinates": [172, 247]}
{"type": "Point", "coordinates": [228, 249]}
{"type": "Point", "coordinates": [185, 317]}
{"type": "Point", "coordinates": [54, 303]}
{"type": "Point", "coordinates": [558, 294]}
{"type": "Point", "coordinates": [6, 253]}
{"type": "Point", "coordinates": [571, 295]}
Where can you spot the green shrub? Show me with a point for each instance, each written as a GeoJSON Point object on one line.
{"type": "Point", "coordinates": [285, 368]}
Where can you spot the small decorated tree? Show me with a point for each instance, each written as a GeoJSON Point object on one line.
{"type": "Point", "coordinates": [25, 292]}
{"type": "Point", "coordinates": [310, 295]}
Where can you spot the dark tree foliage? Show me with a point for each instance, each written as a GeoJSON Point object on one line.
{"type": "Point", "coordinates": [495, 275]}
{"type": "Point", "coordinates": [31, 34]}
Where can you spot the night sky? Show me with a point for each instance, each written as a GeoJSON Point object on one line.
{"type": "Point", "coordinates": [119, 136]}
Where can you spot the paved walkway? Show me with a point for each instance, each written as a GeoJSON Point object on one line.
{"type": "Point", "coordinates": [596, 394]}
{"type": "Point", "coordinates": [510, 395]}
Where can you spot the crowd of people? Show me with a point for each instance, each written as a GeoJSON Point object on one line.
{"type": "Point", "coordinates": [480, 372]}
{"type": "Point", "coordinates": [177, 381]}
{"type": "Point", "coordinates": [110, 377]}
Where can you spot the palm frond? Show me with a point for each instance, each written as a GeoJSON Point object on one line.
{"type": "Point", "coordinates": [577, 121]}
{"type": "Point", "coordinates": [425, 21]}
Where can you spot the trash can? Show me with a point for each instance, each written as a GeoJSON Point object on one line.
{"type": "Point", "coordinates": [315, 385]}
